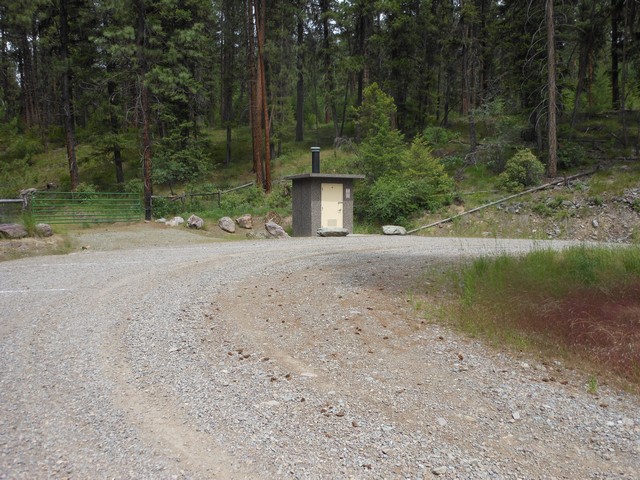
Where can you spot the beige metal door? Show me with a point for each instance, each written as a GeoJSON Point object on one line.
{"type": "Point", "coordinates": [331, 200]}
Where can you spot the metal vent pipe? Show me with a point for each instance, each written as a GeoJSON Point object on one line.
{"type": "Point", "coordinates": [315, 159]}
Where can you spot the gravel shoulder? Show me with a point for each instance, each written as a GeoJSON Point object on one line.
{"type": "Point", "coordinates": [280, 359]}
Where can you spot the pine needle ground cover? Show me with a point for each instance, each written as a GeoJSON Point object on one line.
{"type": "Point", "coordinates": [582, 302]}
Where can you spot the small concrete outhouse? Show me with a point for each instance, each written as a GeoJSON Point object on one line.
{"type": "Point", "coordinates": [321, 200]}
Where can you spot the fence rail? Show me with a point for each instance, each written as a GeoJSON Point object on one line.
{"type": "Point", "coordinates": [212, 196]}
{"type": "Point", "coordinates": [85, 207]}
{"type": "Point", "coordinates": [10, 209]}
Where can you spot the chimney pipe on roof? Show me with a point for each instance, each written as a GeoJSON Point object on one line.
{"type": "Point", "coordinates": [315, 159]}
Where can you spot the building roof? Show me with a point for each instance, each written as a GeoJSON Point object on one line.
{"type": "Point", "coordinates": [328, 176]}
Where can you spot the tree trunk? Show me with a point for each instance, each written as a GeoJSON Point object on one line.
{"type": "Point", "coordinates": [329, 82]}
{"type": "Point", "coordinates": [469, 86]}
{"type": "Point", "coordinates": [261, 27]}
{"type": "Point", "coordinates": [4, 71]}
{"type": "Point", "coordinates": [67, 100]}
{"type": "Point", "coordinates": [582, 73]}
{"type": "Point", "coordinates": [254, 96]}
{"type": "Point", "coordinates": [114, 124]}
{"type": "Point", "coordinates": [145, 110]}
{"type": "Point", "coordinates": [228, 60]}
{"type": "Point", "coordinates": [300, 83]}
{"type": "Point", "coordinates": [623, 86]}
{"type": "Point", "coordinates": [27, 81]}
{"type": "Point", "coordinates": [616, 40]}
{"type": "Point", "coordinates": [146, 149]}
{"type": "Point", "coordinates": [552, 161]}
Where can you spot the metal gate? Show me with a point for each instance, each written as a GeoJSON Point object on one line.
{"type": "Point", "coordinates": [86, 207]}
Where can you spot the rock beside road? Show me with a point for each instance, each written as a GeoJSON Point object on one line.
{"type": "Point", "coordinates": [227, 224]}
{"type": "Point", "coordinates": [12, 231]}
{"type": "Point", "coordinates": [195, 222]}
{"type": "Point", "coordinates": [276, 231]}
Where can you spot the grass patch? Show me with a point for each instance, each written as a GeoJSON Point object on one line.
{"type": "Point", "coordinates": [614, 181]}
{"type": "Point", "coordinates": [583, 302]}
{"type": "Point", "coordinates": [30, 247]}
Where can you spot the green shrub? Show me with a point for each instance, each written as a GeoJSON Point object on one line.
{"type": "Point", "coordinates": [85, 191]}
{"type": "Point", "coordinates": [414, 183]}
{"type": "Point", "coordinates": [522, 170]}
{"type": "Point", "coordinates": [29, 223]}
{"type": "Point", "coordinates": [391, 200]}
{"type": "Point", "coordinates": [24, 147]}
{"type": "Point", "coordinates": [381, 154]}
{"type": "Point", "coordinates": [439, 135]}
{"type": "Point", "coordinates": [179, 160]}
{"type": "Point", "coordinates": [162, 207]}
{"type": "Point", "coordinates": [134, 186]}
{"type": "Point", "coordinates": [571, 155]}
{"type": "Point", "coordinates": [280, 197]}
{"type": "Point", "coordinates": [241, 200]}
{"type": "Point", "coordinates": [376, 111]}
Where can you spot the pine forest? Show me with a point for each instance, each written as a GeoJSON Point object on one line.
{"type": "Point", "coordinates": [157, 96]}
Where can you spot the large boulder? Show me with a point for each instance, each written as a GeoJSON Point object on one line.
{"type": "Point", "coordinates": [227, 224]}
{"type": "Point", "coordinates": [332, 232]}
{"type": "Point", "coordinates": [43, 230]}
{"type": "Point", "coordinates": [394, 230]}
{"type": "Point", "coordinates": [174, 222]}
{"type": "Point", "coordinates": [275, 230]}
{"type": "Point", "coordinates": [245, 221]}
{"type": "Point", "coordinates": [195, 221]}
{"type": "Point", "coordinates": [12, 230]}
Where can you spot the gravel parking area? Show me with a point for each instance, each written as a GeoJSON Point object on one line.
{"type": "Point", "coordinates": [281, 359]}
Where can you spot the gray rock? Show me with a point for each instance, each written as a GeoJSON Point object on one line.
{"type": "Point", "coordinates": [394, 230]}
{"type": "Point", "coordinates": [332, 232]}
{"type": "Point", "coordinates": [161, 220]}
{"type": "Point", "coordinates": [275, 230]}
{"type": "Point", "coordinates": [227, 224]}
{"type": "Point", "coordinates": [195, 222]}
{"type": "Point", "coordinates": [439, 470]}
{"type": "Point", "coordinates": [245, 221]}
{"type": "Point", "coordinates": [12, 230]}
{"type": "Point", "coordinates": [595, 223]}
{"type": "Point", "coordinates": [43, 230]}
{"type": "Point", "coordinates": [174, 222]}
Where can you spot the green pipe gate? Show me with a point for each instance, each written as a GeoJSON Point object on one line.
{"type": "Point", "coordinates": [86, 207]}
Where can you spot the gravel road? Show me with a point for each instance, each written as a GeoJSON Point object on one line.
{"type": "Point", "coordinates": [280, 359]}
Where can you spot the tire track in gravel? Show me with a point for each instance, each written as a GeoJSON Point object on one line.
{"type": "Point", "coordinates": [156, 415]}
